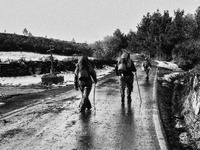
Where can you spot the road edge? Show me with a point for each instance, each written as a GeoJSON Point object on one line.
{"type": "Point", "coordinates": [161, 135]}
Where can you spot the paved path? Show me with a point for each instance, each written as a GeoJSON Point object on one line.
{"type": "Point", "coordinates": [57, 124]}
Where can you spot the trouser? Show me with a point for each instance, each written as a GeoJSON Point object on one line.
{"type": "Point", "coordinates": [147, 71]}
{"type": "Point", "coordinates": [126, 81]}
{"type": "Point", "coordinates": [85, 102]}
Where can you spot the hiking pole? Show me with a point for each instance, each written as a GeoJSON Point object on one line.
{"type": "Point", "coordinates": [138, 90]}
{"type": "Point", "coordinates": [94, 97]}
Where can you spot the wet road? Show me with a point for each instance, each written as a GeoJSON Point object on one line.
{"type": "Point", "coordinates": [113, 126]}
{"type": "Point", "coordinates": [57, 123]}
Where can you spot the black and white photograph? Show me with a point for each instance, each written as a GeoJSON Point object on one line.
{"type": "Point", "coordinates": [100, 75]}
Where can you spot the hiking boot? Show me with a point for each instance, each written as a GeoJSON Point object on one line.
{"type": "Point", "coordinates": [89, 108]}
{"type": "Point", "coordinates": [88, 104]}
{"type": "Point", "coordinates": [82, 107]}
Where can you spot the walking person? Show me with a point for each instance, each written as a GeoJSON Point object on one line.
{"type": "Point", "coordinates": [85, 75]}
{"type": "Point", "coordinates": [146, 67]}
{"type": "Point", "coordinates": [124, 69]}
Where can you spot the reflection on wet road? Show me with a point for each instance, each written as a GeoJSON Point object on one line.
{"type": "Point", "coordinates": [56, 123]}
{"type": "Point", "coordinates": [116, 126]}
{"type": "Point", "coordinates": [86, 137]}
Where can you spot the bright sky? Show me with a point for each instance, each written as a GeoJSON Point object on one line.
{"type": "Point", "coordinates": [83, 20]}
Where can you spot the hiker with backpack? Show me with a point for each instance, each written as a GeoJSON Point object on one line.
{"type": "Point", "coordinates": [124, 69]}
{"type": "Point", "coordinates": [146, 65]}
{"type": "Point", "coordinates": [85, 75]}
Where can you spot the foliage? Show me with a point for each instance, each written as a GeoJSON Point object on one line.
{"type": "Point", "coordinates": [132, 42]}
{"type": "Point", "coordinates": [97, 49]}
{"type": "Point", "coordinates": [165, 37]}
{"type": "Point", "coordinates": [197, 18]}
{"type": "Point", "coordinates": [152, 34]}
{"type": "Point", "coordinates": [110, 47]}
{"type": "Point", "coordinates": [13, 42]}
{"type": "Point", "coordinates": [49, 79]}
{"type": "Point", "coordinates": [25, 31]}
{"type": "Point", "coordinates": [187, 54]}
{"type": "Point", "coordinates": [158, 35]}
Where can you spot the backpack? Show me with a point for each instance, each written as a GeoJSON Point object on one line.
{"type": "Point", "coordinates": [124, 63]}
{"type": "Point", "coordinates": [145, 65]}
{"type": "Point", "coordinates": [83, 73]}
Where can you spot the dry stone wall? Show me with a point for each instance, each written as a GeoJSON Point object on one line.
{"type": "Point", "coordinates": [191, 112]}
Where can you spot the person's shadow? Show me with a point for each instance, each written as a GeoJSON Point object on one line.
{"type": "Point", "coordinates": [85, 138]}
{"type": "Point", "coordinates": [127, 117]}
{"type": "Point", "coordinates": [129, 113]}
{"type": "Point", "coordinates": [125, 129]}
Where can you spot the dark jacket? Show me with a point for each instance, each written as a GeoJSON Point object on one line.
{"type": "Point", "coordinates": [146, 64]}
{"type": "Point", "coordinates": [92, 74]}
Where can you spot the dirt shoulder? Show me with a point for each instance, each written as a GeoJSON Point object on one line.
{"type": "Point", "coordinates": [56, 122]}
{"type": "Point", "coordinates": [8, 91]}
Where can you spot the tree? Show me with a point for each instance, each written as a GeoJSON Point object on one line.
{"type": "Point", "coordinates": [143, 33]}
{"type": "Point", "coordinates": [118, 34]}
{"type": "Point", "coordinates": [30, 34]}
{"type": "Point", "coordinates": [98, 50]}
{"type": "Point", "coordinates": [132, 43]}
{"type": "Point", "coordinates": [188, 52]}
{"type": "Point", "coordinates": [152, 34]}
{"type": "Point", "coordinates": [176, 32]}
{"type": "Point", "coordinates": [73, 40]}
{"type": "Point", "coordinates": [197, 18]}
{"type": "Point", "coordinates": [25, 32]}
{"type": "Point", "coordinates": [112, 46]}
{"type": "Point", "coordinates": [190, 27]}
{"type": "Point", "coordinates": [164, 46]}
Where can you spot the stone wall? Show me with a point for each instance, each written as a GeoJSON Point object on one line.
{"type": "Point", "coordinates": [191, 112]}
{"type": "Point", "coordinates": [24, 68]}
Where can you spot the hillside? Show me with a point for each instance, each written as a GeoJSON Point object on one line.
{"type": "Point", "coordinates": [25, 55]}
{"type": "Point", "coordinates": [14, 42]}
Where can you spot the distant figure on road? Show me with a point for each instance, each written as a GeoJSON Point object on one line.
{"type": "Point", "coordinates": [124, 69]}
{"type": "Point", "coordinates": [146, 65]}
{"type": "Point", "coordinates": [84, 75]}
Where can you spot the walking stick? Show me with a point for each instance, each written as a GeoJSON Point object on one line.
{"type": "Point", "coordinates": [138, 90]}
{"type": "Point", "coordinates": [94, 97]}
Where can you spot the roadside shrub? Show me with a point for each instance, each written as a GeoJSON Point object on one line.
{"type": "Point", "coordinates": [50, 79]}
{"type": "Point", "coordinates": [23, 68]}
{"type": "Point", "coordinates": [184, 64]}
{"type": "Point", "coordinates": [187, 54]}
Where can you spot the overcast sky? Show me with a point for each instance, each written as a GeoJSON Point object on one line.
{"type": "Point", "coordinates": [83, 20]}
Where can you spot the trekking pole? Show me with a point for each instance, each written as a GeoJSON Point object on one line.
{"type": "Point", "coordinates": [94, 97]}
{"type": "Point", "coordinates": [138, 90]}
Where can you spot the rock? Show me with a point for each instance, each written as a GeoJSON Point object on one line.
{"type": "Point", "coordinates": [183, 137]}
